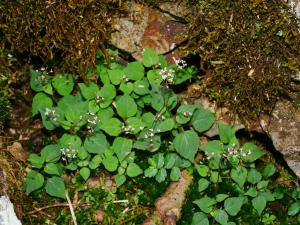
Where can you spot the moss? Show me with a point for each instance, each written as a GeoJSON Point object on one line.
{"type": "Point", "coordinates": [69, 30]}
{"type": "Point", "coordinates": [249, 51]}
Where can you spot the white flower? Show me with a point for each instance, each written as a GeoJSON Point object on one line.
{"type": "Point", "coordinates": [180, 63]}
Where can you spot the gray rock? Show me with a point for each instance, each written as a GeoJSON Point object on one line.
{"type": "Point", "coordinates": [283, 127]}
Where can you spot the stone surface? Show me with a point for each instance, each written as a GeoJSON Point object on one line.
{"type": "Point", "coordinates": [168, 207]}
{"type": "Point", "coordinates": [283, 127]}
{"type": "Point", "coordinates": [146, 26]}
{"type": "Point", "coordinates": [295, 4]}
{"type": "Point", "coordinates": [7, 213]}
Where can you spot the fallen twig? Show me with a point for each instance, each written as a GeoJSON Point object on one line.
{"type": "Point", "coordinates": [56, 205]}
{"type": "Point", "coordinates": [71, 208]}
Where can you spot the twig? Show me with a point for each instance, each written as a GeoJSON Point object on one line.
{"type": "Point", "coordinates": [71, 208]}
{"type": "Point", "coordinates": [56, 205]}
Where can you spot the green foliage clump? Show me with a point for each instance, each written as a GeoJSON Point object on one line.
{"type": "Point", "coordinates": [71, 30]}
{"type": "Point", "coordinates": [249, 50]}
{"type": "Point", "coordinates": [123, 110]}
{"type": "Point", "coordinates": [126, 111]}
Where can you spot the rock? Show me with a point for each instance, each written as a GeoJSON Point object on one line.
{"type": "Point", "coordinates": [7, 213]}
{"type": "Point", "coordinates": [295, 4]}
{"type": "Point", "coordinates": [168, 207]}
{"type": "Point", "coordinates": [17, 151]}
{"type": "Point", "coordinates": [99, 215]}
{"type": "Point", "coordinates": [147, 26]}
{"type": "Point", "coordinates": [283, 128]}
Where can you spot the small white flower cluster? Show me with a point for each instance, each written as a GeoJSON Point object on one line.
{"type": "Point", "coordinates": [149, 134]}
{"type": "Point", "coordinates": [127, 129]}
{"type": "Point", "coordinates": [51, 114]}
{"type": "Point", "coordinates": [236, 152]}
{"type": "Point", "coordinates": [180, 63]}
{"type": "Point", "coordinates": [187, 114]}
{"type": "Point", "coordinates": [93, 120]}
{"type": "Point", "coordinates": [99, 99]}
{"type": "Point", "coordinates": [41, 79]}
{"type": "Point", "coordinates": [160, 117]}
{"type": "Point", "coordinates": [125, 78]}
{"type": "Point", "coordinates": [68, 153]}
{"type": "Point", "coordinates": [167, 75]}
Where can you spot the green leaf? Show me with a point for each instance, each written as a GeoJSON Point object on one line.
{"type": "Point", "coordinates": [85, 173]}
{"type": "Point", "coordinates": [36, 161]}
{"type": "Point", "coordinates": [105, 114]}
{"type": "Point", "coordinates": [221, 197]}
{"type": "Point", "coordinates": [252, 192]}
{"type": "Point", "coordinates": [294, 208]}
{"type": "Point", "coordinates": [259, 203]}
{"type": "Point", "coordinates": [205, 204]}
{"type": "Point", "coordinates": [102, 73]}
{"type": "Point", "coordinates": [213, 148]}
{"type": "Point", "coordinates": [202, 170]}
{"type": "Point", "coordinates": [96, 143]}
{"type": "Point", "coordinates": [175, 174]}
{"type": "Point", "coordinates": [72, 167]}
{"type": "Point", "coordinates": [136, 124]}
{"type": "Point", "coordinates": [52, 169]}
{"type": "Point", "coordinates": [112, 127]}
{"type": "Point", "coordinates": [122, 147]}
{"type": "Point", "coordinates": [164, 125]}
{"type": "Point", "coordinates": [226, 132]}
{"type": "Point", "coordinates": [239, 175]}
{"type": "Point", "coordinates": [33, 181]}
{"type": "Point", "coordinates": [126, 107]}
{"type": "Point", "coordinates": [134, 71]}
{"type": "Point", "coordinates": [40, 82]}
{"type": "Point", "coordinates": [214, 177]}
{"type": "Point", "coordinates": [262, 184]}
{"type": "Point", "coordinates": [186, 144]}
{"type": "Point", "coordinates": [95, 162]}
{"type": "Point", "coordinates": [157, 160]}
{"type": "Point", "coordinates": [126, 87]}
{"type": "Point", "coordinates": [115, 76]}
{"type": "Point", "coordinates": [110, 163]}
{"type": "Point", "coordinates": [254, 176]}
{"type": "Point", "coordinates": [267, 194]}
{"type": "Point", "coordinates": [154, 77]}
{"type": "Point", "coordinates": [107, 93]}
{"type": "Point", "coordinates": [233, 205]}
{"type": "Point", "coordinates": [133, 170]}
{"type": "Point", "coordinates": [63, 83]}
{"type": "Point", "coordinates": [255, 152]}
{"type": "Point", "coordinates": [150, 58]}
{"type": "Point", "coordinates": [161, 175]}
{"type": "Point", "coordinates": [140, 87]}
{"type": "Point", "coordinates": [203, 184]}
{"type": "Point", "coordinates": [150, 172]}
{"type": "Point", "coordinates": [89, 91]}
{"type": "Point", "coordinates": [120, 179]}
{"type": "Point", "coordinates": [70, 140]}
{"type": "Point", "coordinates": [202, 119]}
{"type": "Point", "coordinates": [51, 153]}
{"type": "Point", "coordinates": [40, 101]}
{"type": "Point", "coordinates": [185, 113]}
{"type": "Point", "coordinates": [148, 118]}
{"type": "Point", "coordinates": [200, 218]}
{"type": "Point", "coordinates": [148, 144]}
{"type": "Point", "coordinates": [73, 108]}
{"type": "Point", "coordinates": [170, 160]}
{"type": "Point", "coordinates": [221, 216]}
{"type": "Point", "coordinates": [55, 186]}
{"type": "Point", "coordinates": [269, 170]}
{"type": "Point", "coordinates": [82, 153]}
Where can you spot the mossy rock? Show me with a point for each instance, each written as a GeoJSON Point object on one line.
{"type": "Point", "coordinates": [249, 51]}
